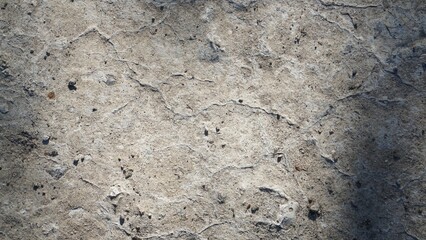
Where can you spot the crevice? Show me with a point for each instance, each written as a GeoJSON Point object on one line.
{"type": "Point", "coordinates": [212, 225]}
{"type": "Point", "coordinates": [231, 102]}
{"type": "Point", "coordinates": [343, 5]}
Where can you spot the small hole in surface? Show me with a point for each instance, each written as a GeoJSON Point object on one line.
{"type": "Point", "coordinates": [313, 215]}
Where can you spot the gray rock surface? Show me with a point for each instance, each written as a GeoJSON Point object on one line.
{"type": "Point", "coordinates": [237, 119]}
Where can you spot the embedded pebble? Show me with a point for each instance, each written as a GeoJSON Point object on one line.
{"type": "Point", "coordinates": [45, 139]}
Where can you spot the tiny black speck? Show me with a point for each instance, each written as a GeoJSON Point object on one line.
{"type": "Point", "coordinates": [206, 132]}
{"type": "Point", "coordinates": [75, 162]}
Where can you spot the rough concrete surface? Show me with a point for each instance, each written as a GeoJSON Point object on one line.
{"type": "Point", "coordinates": [237, 119]}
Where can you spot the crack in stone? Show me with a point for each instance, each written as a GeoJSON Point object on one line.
{"type": "Point", "coordinates": [274, 192]}
{"type": "Point", "coordinates": [191, 77]}
{"type": "Point", "coordinates": [343, 5]}
{"type": "Point", "coordinates": [400, 80]}
{"type": "Point", "coordinates": [165, 235]}
{"type": "Point", "coordinates": [230, 102]}
{"type": "Point", "coordinates": [94, 29]}
{"type": "Point", "coordinates": [338, 26]}
{"type": "Point", "coordinates": [90, 183]}
{"type": "Point", "coordinates": [212, 225]}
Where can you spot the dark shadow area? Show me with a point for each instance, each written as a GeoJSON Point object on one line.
{"type": "Point", "coordinates": [387, 199]}
{"type": "Point", "coordinates": [21, 177]}
{"type": "Point", "coordinates": [18, 142]}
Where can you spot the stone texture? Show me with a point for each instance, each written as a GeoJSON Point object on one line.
{"type": "Point", "coordinates": [242, 119]}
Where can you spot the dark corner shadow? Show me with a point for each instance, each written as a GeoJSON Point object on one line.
{"type": "Point", "coordinates": [388, 149]}
{"type": "Point", "coordinates": [388, 166]}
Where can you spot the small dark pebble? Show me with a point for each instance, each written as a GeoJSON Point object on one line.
{"type": "Point", "coordinates": [45, 140]}
{"type": "Point", "coordinates": [75, 162]}
{"type": "Point", "coordinates": [254, 209]}
{"type": "Point", "coordinates": [53, 153]}
{"type": "Point", "coordinates": [206, 132]}
{"type": "Point", "coordinates": [121, 220]}
{"type": "Point", "coordinates": [71, 86]}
